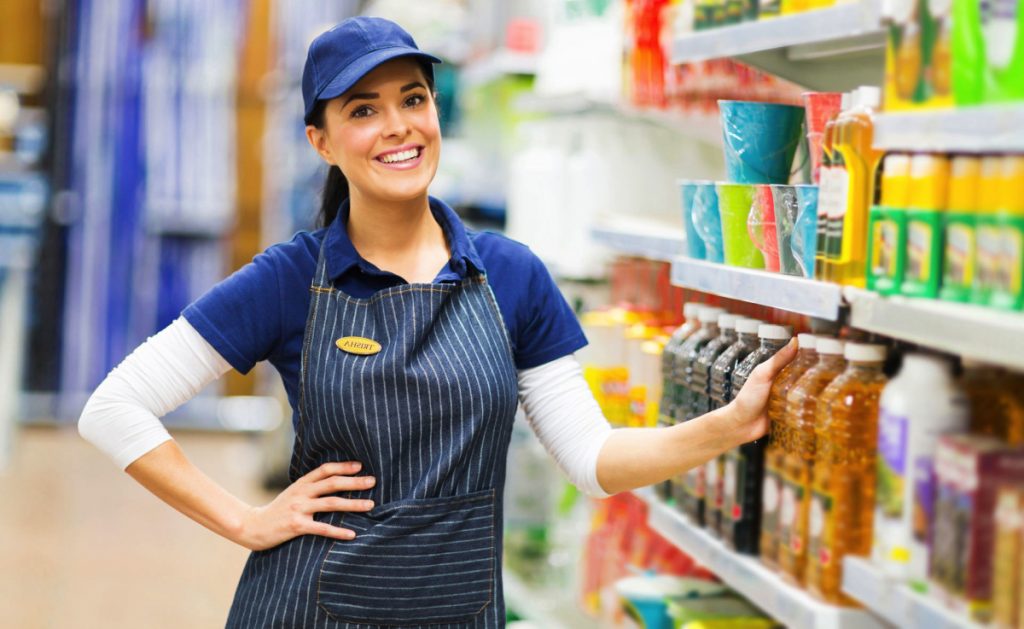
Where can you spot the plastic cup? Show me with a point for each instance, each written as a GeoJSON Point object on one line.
{"type": "Point", "coordinates": [707, 220]}
{"type": "Point", "coordinates": [804, 240]}
{"type": "Point", "coordinates": [694, 243]}
{"type": "Point", "coordinates": [787, 207]}
{"type": "Point", "coordinates": [820, 106]}
{"type": "Point", "coordinates": [734, 203]}
{"type": "Point", "coordinates": [760, 140]}
{"type": "Point", "coordinates": [761, 226]}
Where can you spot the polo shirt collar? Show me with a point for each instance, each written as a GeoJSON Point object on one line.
{"type": "Point", "coordinates": [341, 254]}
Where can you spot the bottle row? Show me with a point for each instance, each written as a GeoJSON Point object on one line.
{"type": "Point", "coordinates": [906, 470]}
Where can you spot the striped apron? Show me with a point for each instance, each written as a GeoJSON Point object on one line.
{"type": "Point", "coordinates": [430, 416]}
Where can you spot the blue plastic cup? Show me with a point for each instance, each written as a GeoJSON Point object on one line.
{"type": "Point", "coordinates": [707, 221]}
{"type": "Point", "coordinates": [694, 243]}
{"type": "Point", "coordinates": [760, 140]}
{"type": "Point", "coordinates": [804, 240]}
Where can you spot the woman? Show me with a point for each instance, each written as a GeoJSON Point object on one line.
{"type": "Point", "coordinates": [403, 341]}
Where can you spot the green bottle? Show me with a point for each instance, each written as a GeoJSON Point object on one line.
{"type": "Point", "coordinates": [887, 237]}
{"type": "Point", "coordinates": [968, 52]}
{"type": "Point", "coordinates": [1003, 30]}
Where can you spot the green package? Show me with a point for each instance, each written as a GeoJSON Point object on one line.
{"type": "Point", "coordinates": [959, 255]}
{"type": "Point", "coordinates": [923, 268]}
{"type": "Point", "coordinates": [1007, 292]}
{"type": "Point", "coordinates": [887, 234]}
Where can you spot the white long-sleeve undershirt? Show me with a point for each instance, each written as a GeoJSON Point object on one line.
{"type": "Point", "coordinates": [122, 417]}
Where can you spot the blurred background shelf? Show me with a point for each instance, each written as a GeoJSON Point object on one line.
{"type": "Point", "coordinates": [787, 604]}
{"type": "Point", "coordinates": [646, 240]}
{"type": "Point", "coordinates": [837, 48]}
{"type": "Point", "coordinates": [544, 608]}
{"type": "Point", "coordinates": [983, 129]}
{"type": "Point", "coordinates": [895, 602]}
{"type": "Point", "coordinates": [794, 294]}
{"type": "Point", "coordinates": [497, 65]}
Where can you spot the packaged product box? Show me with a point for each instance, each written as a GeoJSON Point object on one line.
{"type": "Point", "coordinates": [918, 66]}
{"type": "Point", "coordinates": [887, 251]}
{"type": "Point", "coordinates": [1006, 571]}
{"type": "Point", "coordinates": [970, 469]}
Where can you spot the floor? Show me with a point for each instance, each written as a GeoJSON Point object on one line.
{"type": "Point", "coordinates": [82, 545]}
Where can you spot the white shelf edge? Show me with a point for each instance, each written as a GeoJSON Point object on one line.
{"type": "Point", "coordinates": [645, 243]}
{"type": "Point", "coordinates": [896, 602]}
{"type": "Point", "coordinates": [787, 604]}
{"type": "Point", "coordinates": [500, 63]}
{"type": "Point", "coordinates": [967, 330]}
{"type": "Point", "coordinates": [981, 129]}
{"type": "Point", "coordinates": [842, 21]}
{"type": "Point", "coordinates": [795, 294]}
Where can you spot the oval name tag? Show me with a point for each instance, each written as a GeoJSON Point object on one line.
{"type": "Point", "coordinates": [358, 345]}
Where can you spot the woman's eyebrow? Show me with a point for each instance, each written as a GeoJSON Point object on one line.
{"type": "Point", "coordinates": [361, 96]}
{"type": "Point", "coordinates": [412, 86]}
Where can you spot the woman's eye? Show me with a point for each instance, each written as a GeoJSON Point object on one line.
{"type": "Point", "coordinates": [414, 100]}
{"type": "Point", "coordinates": [361, 112]}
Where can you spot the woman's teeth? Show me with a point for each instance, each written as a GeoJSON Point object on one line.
{"type": "Point", "coordinates": [403, 156]}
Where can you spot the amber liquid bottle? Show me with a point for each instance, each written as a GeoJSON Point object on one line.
{"type": "Point", "coordinates": [779, 442]}
{"type": "Point", "coordinates": [996, 399]}
{"type": "Point", "coordinates": [843, 478]}
{"type": "Point", "coordinates": [798, 459]}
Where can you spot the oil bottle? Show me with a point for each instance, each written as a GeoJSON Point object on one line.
{"type": "Point", "coordinates": [779, 442]}
{"type": "Point", "coordinates": [744, 466]}
{"type": "Point", "coordinates": [843, 478]}
{"type": "Point", "coordinates": [798, 462]}
{"type": "Point", "coordinates": [831, 189]}
{"type": "Point", "coordinates": [995, 398]}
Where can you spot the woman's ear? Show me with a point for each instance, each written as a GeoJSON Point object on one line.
{"type": "Point", "coordinates": [318, 140]}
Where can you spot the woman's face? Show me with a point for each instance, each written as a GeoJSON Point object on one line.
{"type": "Point", "coordinates": [383, 133]}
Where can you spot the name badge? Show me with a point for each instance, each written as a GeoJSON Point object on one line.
{"type": "Point", "coordinates": [358, 345]}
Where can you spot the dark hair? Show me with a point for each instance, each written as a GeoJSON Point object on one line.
{"type": "Point", "coordinates": [335, 191]}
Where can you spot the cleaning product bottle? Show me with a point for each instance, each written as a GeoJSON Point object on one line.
{"type": "Point", "coordinates": [832, 184]}
{"type": "Point", "coordinates": [744, 466]}
{"type": "Point", "coordinates": [996, 400]}
{"type": "Point", "coordinates": [780, 441]}
{"type": "Point", "coordinates": [887, 227]}
{"type": "Point", "coordinates": [668, 362]}
{"type": "Point", "coordinates": [968, 51]}
{"type": "Point", "coordinates": [1008, 293]}
{"type": "Point", "coordinates": [1003, 27]}
{"type": "Point", "coordinates": [847, 231]}
{"type": "Point", "coordinates": [917, 406]}
{"type": "Point", "coordinates": [987, 229]}
{"type": "Point", "coordinates": [843, 479]}
{"type": "Point", "coordinates": [801, 409]}
{"type": "Point", "coordinates": [960, 221]}
{"type": "Point", "coordinates": [721, 393]}
{"type": "Point", "coordinates": [683, 373]}
{"type": "Point", "coordinates": [929, 186]}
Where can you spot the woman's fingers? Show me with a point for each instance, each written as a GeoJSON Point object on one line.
{"type": "Point", "coordinates": [771, 367]}
{"type": "Point", "coordinates": [332, 503]}
{"type": "Point", "coordinates": [326, 530]}
{"type": "Point", "coordinates": [334, 484]}
{"type": "Point", "coordinates": [345, 468]}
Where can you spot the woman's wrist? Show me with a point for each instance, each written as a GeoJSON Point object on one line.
{"type": "Point", "coordinates": [722, 428]}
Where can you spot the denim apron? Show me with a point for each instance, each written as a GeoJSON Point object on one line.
{"type": "Point", "coordinates": [430, 416]}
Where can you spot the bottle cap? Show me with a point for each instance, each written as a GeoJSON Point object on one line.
{"type": "Point", "coordinates": [747, 326]}
{"type": "Point", "coordinates": [775, 332]}
{"type": "Point", "coordinates": [806, 341]}
{"type": "Point", "coordinates": [727, 321]}
{"type": "Point", "coordinates": [709, 314]}
{"type": "Point", "coordinates": [691, 309]}
{"type": "Point", "coordinates": [862, 352]}
{"type": "Point", "coordinates": [870, 96]}
{"type": "Point", "coordinates": [829, 345]}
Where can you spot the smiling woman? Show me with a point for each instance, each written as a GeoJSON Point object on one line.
{"type": "Point", "coordinates": [404, 342]}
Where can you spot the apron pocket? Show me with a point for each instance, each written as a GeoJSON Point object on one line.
{"type": "Point", "coordinates": [413, 562]}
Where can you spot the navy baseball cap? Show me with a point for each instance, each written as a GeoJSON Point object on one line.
{"type": "Point", "coordinates": [340, 57]}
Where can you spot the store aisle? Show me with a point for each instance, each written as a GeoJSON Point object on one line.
{"type": "Point", "coordinates": [81, 545]}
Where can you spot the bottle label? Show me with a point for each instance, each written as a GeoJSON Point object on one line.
{"type": "Point", "coordinates": [693, 483]}
{"type": "Point", "coordinates": [1011, 260]}
{"type": "Point", "coordinates": [712, 483]}
{"type": "Point", "coordinates": [770, 502]}
{"type": "Point", "coordinates": [883, 252]}
{"type": "Point", "coordinates": [821, 506]}
{"type": "Point", "coordinates": [920, 238]}
{"type": "Point", "coordinates": [989, 253]}
{"type": "Point", "coordinates": [825, 190]}
{"type": "Point", "coordinates": [959, 258]}
{"type": "Point", "coordinates": [892, 462]}
{"type": "Point", "coordinates": [924, 498]}
{"type": "Point", "coordinates": [837, 212]}
{"type": "Point", "coordinates": [999, 23]}
{"type": "Point", "coordinates": [730, 502]}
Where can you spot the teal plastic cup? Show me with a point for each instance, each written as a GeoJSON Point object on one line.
{"type": "Point", "coordinates": [694, 243]}
{"type": "Point", "coordinates": [707, 220]}
{"type": "Point", "coordinates": [760, 140]}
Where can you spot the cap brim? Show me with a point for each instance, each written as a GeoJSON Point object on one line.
{"type": "Point", "coordinates": [360, 67]}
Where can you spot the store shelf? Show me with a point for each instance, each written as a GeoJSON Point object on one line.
{"type": "Point", "coordinates": [642, 240]}
{"type": "Point", "coordinates": [497, 65]}
{"type": "Point", "coordinates": [895, 602]}
{"type": "Point", "coordinates": [837, 48]}
{"type": "Point", "coordinates": [970, 331]}
{"type": "Point", "coordinates": [546, 608]}
{"type": "Point", "coordinates": [795, 294]}
{"type": "Point", "coordinates": [985, 129]}
{"type": "Point", "coordinates": [787, 604]}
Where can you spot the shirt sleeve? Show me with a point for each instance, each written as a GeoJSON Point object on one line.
{"type": "Point", "coordinates": [547, 326]}
{"type": "Point", "coordinates": [241, 316]}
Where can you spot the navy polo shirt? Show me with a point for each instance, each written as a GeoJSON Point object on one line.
{"type": "Point", "coordinates": [259, 312]}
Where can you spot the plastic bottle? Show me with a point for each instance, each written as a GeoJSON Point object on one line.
{"type": "Point", "coordinates": [668, 362]}
{"type": "Point", "coordinates": [780, 442]}
{"type": "Point", "coordinates": [847, 231]}
{"type": "Point", "coordinates": [959, 232]}
{"type": "Point", "coordinates": [1003, 27]}
{"type": "Point", "coordinates": [996, 401]}
{"type": "Point", "coordinates": [987, 229]}
{"type": "Point", "coordinates": [1008, 293]}
{"type": "Point", "coordinates": [798, 462]}
{"type": "Point", "coordinates": [744, 466]}
{"type": "Point", "coordinates": [711, 495]}
{"type": "Point", "coordinates": [929, 185]}
{"type": "Point", "coordinates": [968, 51]}
{"type": "Point", "coordinates": [887, 227]}
{"type": "Point", "coordinates": [831, 189]}
{"type": "Point", "coordinates": [843, 479]}
{"type": "Point", "coordinates": [683, 372]}
{"type": "Point", "coordinates": [917, 406]}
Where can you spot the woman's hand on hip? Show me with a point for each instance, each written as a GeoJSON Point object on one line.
{"type": "Point", "coordinates": [749, 409]}
{"type": "Point", "coordinates": [291, 513]}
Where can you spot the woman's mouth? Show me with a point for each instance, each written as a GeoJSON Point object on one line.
{"type": "Point", "coordinates": [402, 159]}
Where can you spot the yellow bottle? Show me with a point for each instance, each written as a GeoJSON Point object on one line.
{"type": "Point", "coordinates": [959, 229]}
{"type": "Point", "coordinates": [780, 441]}
{"type": "Point", "coordinates": [856, 137]}
{"type": "Point", "coordinates": [987, 232]}
{"type": "Point", "coordinates": [843, 479]}
{"type": "Point", "coordinates": [801, 409]}
{"type": "Point", "coordinates": [1008, 293]}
